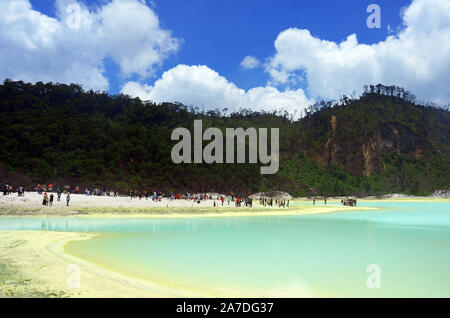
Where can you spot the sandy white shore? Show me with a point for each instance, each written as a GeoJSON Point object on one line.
{"type": "Point", "coordinates": [34, 264]}
{"type": "Point", "coordinates": [32, 200]}
{"type": "Point", "coordinates": [31, 204]}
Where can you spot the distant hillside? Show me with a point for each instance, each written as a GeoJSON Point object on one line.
{"type": "Point", "coordinates": [389, 142]}
{"type": "Point", "coordinates": [377, 144]}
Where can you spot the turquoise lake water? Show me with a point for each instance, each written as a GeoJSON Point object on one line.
{"type": "Point", "coordinates": [294, 256]}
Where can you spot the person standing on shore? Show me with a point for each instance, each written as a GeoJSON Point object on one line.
{"type": "Point", "coordinates": [58, 193]}
{"type": "Point", "coordinates": [314, 201]}
{"type": "Point", "coordinates": [68, 198]}
{"type": "Point", "coordinates": [51, 199]}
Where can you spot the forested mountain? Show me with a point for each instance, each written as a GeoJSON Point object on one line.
{"type": "Point", "coordinates": [380, 143]}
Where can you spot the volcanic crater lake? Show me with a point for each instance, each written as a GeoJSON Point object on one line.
{"type": "Point", "coordinates": [281, 256]}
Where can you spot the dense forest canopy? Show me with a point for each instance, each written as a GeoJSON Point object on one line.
{"type": "Point", "coordinates": [381, 142]}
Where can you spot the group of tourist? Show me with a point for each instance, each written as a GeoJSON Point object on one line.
{"type": "Point", "coordinates": [154, 196]}
{"type": "Point", "coordinates": [198, 198]}
{"type": "Point", "coordinates": [67, 188]}
{"type": "Point", "coordinates": [158, 195]}
{"type": "Point", "coordinates": [100, 192]}
{"type": "Point", "coordinates": [281, 203]}
{"type": "Point", "coordinates": [239, 201]}
{"type": "Point", "coordinates": [9, 189]}
{"type": "Point", "coordinates": [40, 188]}
{"type": "Point", "coordinates": [348, 201]}
{"type": "Point", "coordinates": [48, 199]}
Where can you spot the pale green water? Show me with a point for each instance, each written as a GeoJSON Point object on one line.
{"type": "Point", "coordinates": [317, 255]}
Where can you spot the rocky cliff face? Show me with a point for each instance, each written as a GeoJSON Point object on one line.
{"type": "Point", "coordinates": [357, 137]}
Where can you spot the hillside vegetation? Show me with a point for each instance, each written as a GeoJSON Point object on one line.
{"type": "Point", "coordinates": [380, 143]}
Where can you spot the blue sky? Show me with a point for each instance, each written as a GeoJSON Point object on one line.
{"type": "Point", "coordinates": [191, 51]}
{"type": "Point", "coordinates": [220, 33]}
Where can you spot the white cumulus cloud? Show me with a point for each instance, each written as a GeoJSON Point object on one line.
{"type": "Point", "coordinates": [203, 87]}
{"type": "Point", "coordinates": [416, 57]}
{"type": "Point", "coordinates": [249, 62]}
{"type": "Point", "coordinates": [73, 46]}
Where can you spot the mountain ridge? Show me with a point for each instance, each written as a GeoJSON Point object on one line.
{"type": "Point", "coordinates": [380, 143]}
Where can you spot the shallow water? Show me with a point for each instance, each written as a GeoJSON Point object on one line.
{"type": "Point", "coordinates": [300, 255]}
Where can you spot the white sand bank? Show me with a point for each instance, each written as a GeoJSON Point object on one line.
{"type": "Point", "coordinates": [43, 269]}
{"type": "Point", "coordinates": [31, 204]}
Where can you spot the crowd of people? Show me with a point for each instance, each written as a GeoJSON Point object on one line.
{"type": "Point", "coordinates": [349, 202]}
{"type": "Point", "coordinates": [247, 202]}
{"type": "Point", "coordinates": [9, 189]}
{"type": "Point", "coordinates": [48, 199]}
{"type": "Point", "coordinates": [197, 198]}
{"type": "Point", "coordinates": [49, 192]}
{"type": "Point", "coordinates": [155, 196]}
{"type": "Point", "coordinates": [52, 192]}
{"type": "Point", "coordinates": [281, 203]}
